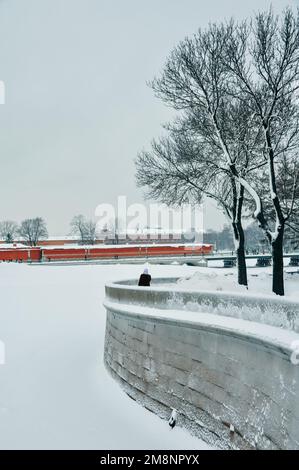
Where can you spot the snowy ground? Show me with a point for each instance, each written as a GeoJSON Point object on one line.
{"type": "Point", "coordinates": [54, 390]}
{"type": "Point", "coordinates": [216, 278]}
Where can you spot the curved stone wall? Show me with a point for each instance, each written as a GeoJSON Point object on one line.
{"type": "Point", "coordinates": [231, 380]}
{"type": "Point", "coordinates": [269, 310]}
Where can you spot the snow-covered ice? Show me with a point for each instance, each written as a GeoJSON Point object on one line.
{"type": "Point", "coordinates": [54, 389]}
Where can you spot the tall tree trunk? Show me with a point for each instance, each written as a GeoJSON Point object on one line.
{"type": "Point", "coordinates": [277, 259]}
{"type": "Point", "coordinates": [240, 253]}
{"type": "Point", "coordinates": [239, 239]}
{"type": "Point", "coordinates": [241, 260]}
{"type": "Point", "coordinates": [277, 239]}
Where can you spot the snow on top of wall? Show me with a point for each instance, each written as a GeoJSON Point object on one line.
{"type": "Point", "coordinates": [275, 336]}
{"type": "Point", "coordinates": [224, 281]}
{"type": "Point", "coordinates": [259, 283]}
{"type": "Point", "coordinates": [216, 292]}
{"type": "Point", "coordinates": [10, 246]}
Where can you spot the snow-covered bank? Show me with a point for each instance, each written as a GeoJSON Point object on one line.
{"type": "Point", "coordinates": [259, 281]}
{"type": "Point", "coordinates": [54, 389]}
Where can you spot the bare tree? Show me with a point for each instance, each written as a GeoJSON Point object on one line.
{"type": "Point", "coordinates": [86, 230]}
{"type": "Point", "coordinates": [90, 232]}
{"type": "Point", "coordinates": [263, 57]}
{"type": "Point", "coordinates": [33, 230]}
{"type": "Point", "coordinates": [8, 230]}
{"type": "Point", "coordinates": [78, 227]}
{"type": "Point", "coordinates": [178, 170]}
{"type": "Point", "coordinates": [252, 69]}
{"type": "Point", "coordinates": [196, 81]}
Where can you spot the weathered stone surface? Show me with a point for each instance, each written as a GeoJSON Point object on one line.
{"type": "Point", "coordinates": [214, 378]}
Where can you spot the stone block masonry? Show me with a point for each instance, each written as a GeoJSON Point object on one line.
{"type": "Point", "coordinates": [215, 371]}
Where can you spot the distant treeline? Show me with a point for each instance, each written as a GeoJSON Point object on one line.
{"type": "Point", "coordinates": [254, 239]}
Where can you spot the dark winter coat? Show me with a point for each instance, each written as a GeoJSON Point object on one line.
{"type": "Point", "coordinates": [145, 280]}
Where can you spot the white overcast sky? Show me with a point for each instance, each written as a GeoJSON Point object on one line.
{"type": "Point", "coordinates": [77, 105]}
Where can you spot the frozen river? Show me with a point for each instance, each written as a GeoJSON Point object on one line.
{"type": "Point", "coordinates": [54, 389]}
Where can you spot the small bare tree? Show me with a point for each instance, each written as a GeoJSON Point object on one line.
{"type": "Point", "coordinates": [90, 232]}
{"type": "Point", "coordinates": [33, 230]}
{"type": "Point", "coordinates": [8, 230]}
{"type": "Point", "coordinates": [78, 227]}
{"type": "Point", "coordinates": [86, 230]}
